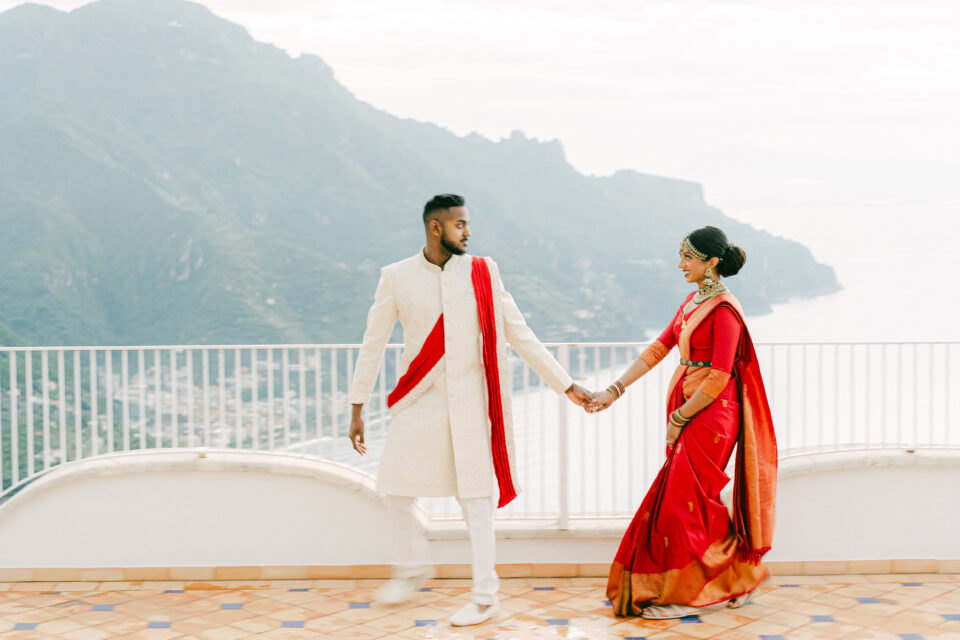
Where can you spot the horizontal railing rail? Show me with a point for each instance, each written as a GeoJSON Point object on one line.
{"type": "Point", "coordinates": [62, 404]}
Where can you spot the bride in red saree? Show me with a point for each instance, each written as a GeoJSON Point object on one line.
{"type": "Point", "coordinates": [682, 550]}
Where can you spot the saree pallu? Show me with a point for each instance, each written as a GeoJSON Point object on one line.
{"type": "Point", "coordinates": [682, 546]}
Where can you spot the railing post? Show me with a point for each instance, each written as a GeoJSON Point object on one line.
{"type": "Point", "coordinates": [563, 454]}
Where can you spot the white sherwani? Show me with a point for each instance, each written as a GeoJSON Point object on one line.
{"type": "Point", "coordinates": [439, 440]}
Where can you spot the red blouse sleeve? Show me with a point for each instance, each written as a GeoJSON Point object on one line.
{"type": "Point", "coordinates": [726, 338]}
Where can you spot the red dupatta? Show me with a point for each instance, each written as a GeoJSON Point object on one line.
{"type": "Point", "coordinates": [483, 289]}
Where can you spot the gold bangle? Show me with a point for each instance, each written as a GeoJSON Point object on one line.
{"type": "Point", "coordinates": [617, 390]}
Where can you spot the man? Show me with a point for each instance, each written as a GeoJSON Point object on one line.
{"type": "Point", "coordinates": [451, 431]}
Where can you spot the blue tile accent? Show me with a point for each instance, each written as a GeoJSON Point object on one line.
{"type": "Point", "coordinates": [52, 593]}
{"type": "Point", "coordinates": [608, 603]}
{"type": "Point", "coordinates": [359, 605]}
{"type": "Point", "coordinates": [635, 638]}
{"type": "Point", "coordinates": [822, 618]}
{"type": "Point", "coordinates": [174, 591]}
{"type": "Point", "coordinates": [772, 638]}
{"type": "Point", "coordinates": [912, 584]}
{"type": "Point", "coordinates": [868, 601]}
{"type": "Point", "coordinates": [544, 588]}
{"type": "Point", "coordinates": [788, 586]}
{"type": "Point", "coordinates": [158, 625]}
{"type": "Point", "coordinates": [951, 616]}
{"type": "Point", "coordinates": [558, 622]}
{"type": "Point", "coordinates": [102, 607]}
{"type": "Point", "coordinates": [231, 606]}
{"type": "Point", "coordinates": [425, 623]}
{"type": "Point", "coordinates": [691, 619]}
{"type": "Point", "coordinates": [424, 588]}
{"type": "Point", "coordinates": [298, 590]}
{"type": "Point", "coordinates": [910, 636]}
{"type": "Point", "coordinates": [292, 624]}
{"type": "Point", "coordinates": [25, 626]}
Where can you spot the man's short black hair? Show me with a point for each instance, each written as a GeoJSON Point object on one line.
{"type": "Point", "coordinates": [441, 202]}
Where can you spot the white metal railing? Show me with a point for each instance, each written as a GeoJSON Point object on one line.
{"type": "Point", "coordinates": [60, 405]}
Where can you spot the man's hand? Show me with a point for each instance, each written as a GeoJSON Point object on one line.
{"type": "Point", "coordinates": [356, 430]}
{"type": "Point", "coordinates": [578, 395]}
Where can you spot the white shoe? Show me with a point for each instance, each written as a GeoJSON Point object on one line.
{"type": "Point", "coordinates": [397, 590]}
{"type": "Point", "coordinates": [402, 587]}
{"type": "Point", "coordinates": [474, 614]}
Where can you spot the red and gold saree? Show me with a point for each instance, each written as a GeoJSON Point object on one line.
{"type": "Point", "coordinates": [682, 546]}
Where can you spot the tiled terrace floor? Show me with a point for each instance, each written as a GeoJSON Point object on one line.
{"type": "Point", "coordinates": [894, 607]}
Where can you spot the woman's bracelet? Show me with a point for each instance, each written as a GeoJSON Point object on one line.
{"type": "Point", "coordinates": [678, 420]}
{"type": "Point", "coordinates": [617, 389]}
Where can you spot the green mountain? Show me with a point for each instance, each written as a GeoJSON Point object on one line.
{"type": "Point", "coordinates": [166, 179]}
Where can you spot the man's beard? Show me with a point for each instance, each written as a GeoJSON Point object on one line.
{"type": "Point", "coordinates": [451, 247]}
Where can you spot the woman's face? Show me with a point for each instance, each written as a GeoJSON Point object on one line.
{"type": "Point", "coordinates": [694, 268]}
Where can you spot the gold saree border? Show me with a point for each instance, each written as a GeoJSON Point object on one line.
{"type": "Point", "coordinates": [691, 585]}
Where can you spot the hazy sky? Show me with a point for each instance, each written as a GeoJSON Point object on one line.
{"type": "Point", "coordinates": [772, 104]}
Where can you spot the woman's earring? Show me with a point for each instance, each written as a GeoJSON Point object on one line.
{"type": "Point", "coordinates": [708, 276]}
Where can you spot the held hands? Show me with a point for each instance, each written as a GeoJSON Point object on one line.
{"type": "Point", "coordinates": [607, 397]}
{"type": "Point", "coordinates": [578, 395]}
{"type": "Point", "coordinates": [599, 402]}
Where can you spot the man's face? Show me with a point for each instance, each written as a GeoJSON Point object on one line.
{"type": "Point", "coordinates": [454, 223]}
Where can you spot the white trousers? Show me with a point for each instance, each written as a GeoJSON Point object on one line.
{"type": "Point", "coordinates": [414, 551]}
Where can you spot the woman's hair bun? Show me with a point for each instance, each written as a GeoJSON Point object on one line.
{"type": "Point", "coordinates": [731, 261]}
{"type": "Point", "coordinates": [713, 242]}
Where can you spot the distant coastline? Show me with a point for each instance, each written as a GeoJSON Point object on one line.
{"type": "Point", "coordinates": [888, 262]}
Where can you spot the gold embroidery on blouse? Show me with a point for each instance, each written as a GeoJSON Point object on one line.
{"type": "Point", "coordinates": [724, 402]}
{"type": "Point", "coordinates": [666, 541]}
{"type": "Point", "coordinates": [690, 506]}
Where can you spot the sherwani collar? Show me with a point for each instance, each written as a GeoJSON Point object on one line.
{"type": "Point", "coordinates": [432, 267]}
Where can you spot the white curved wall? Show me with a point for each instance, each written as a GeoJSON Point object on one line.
{"type": "Point", "coordinates": [177, 509]}
{"type": "Point", "coordinates": [880, 505]}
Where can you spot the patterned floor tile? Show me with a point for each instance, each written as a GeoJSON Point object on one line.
{"type": "Point", "coordinates": [88, 633]}
{"type": "Point", "coordinates": [893, 607]}
{"type": "Point", "coordinates": [224, 633]}
{"type": "Point", "coordinates": [153, 634]}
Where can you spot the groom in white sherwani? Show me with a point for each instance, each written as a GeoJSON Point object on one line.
{"type": "Point", "coordinates": [451, 430]}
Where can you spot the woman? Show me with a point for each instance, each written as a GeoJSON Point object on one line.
{"type": "Point", "coordinates": [682, 551]}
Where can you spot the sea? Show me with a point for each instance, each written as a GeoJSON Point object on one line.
{"type": "Point", "coordinates": [898, 264]}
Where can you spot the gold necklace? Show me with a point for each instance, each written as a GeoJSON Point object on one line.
{"type": "Point", "coordinates": [704, 293]}
{"type": "Point", "coordinates": [708, 290]}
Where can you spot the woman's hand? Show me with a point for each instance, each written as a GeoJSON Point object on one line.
{"type": "Point", "coordinates": [600, 401]}
{"type": "Point", "coordinates": [673, 434]}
